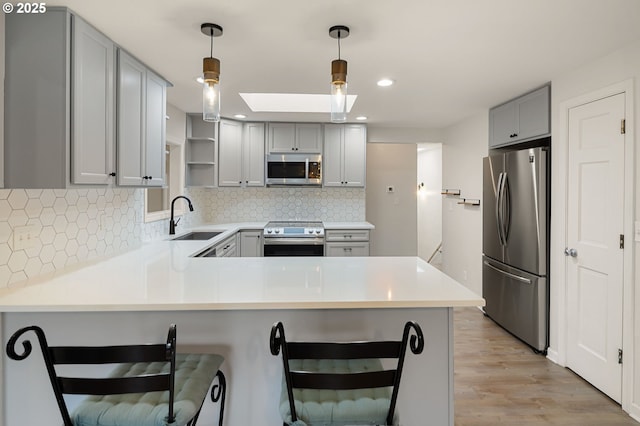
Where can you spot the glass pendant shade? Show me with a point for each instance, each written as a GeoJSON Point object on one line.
{"type": "Point", "coordinates": [338, 102]}
{"type": "Point", "coordinates": [211, 101]}
{"type": "Point", "coordinates": [211, 90]}
{"type": "Point", "coordinates": [338, 91]}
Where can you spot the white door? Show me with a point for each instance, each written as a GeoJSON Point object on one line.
{"type": "Point", "coordinates": [594, 225]}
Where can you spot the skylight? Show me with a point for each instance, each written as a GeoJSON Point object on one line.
{"type": "Point", "coordinates": [291, 102]}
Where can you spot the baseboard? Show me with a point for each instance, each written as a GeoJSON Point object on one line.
{"type": "Point", "coordinates": [634, 413]}
{"type": "Point", "coordinates": [553, 356]}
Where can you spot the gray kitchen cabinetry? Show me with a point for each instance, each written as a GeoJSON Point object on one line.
{"type": "Point", "coordinates": [251, 243]}
{"type": "Point", "coordinates": [294, 137]}
{"type": "Point", "coordinates": [521, 119]}
{"type": "Point", "coordinates": [346, 242]}
{"type": "Point", "coordinates": [201, 152]}
{"type": "Point", "coordinates": [241, 156]}
{"type": "Point", "coordinates": [228, 247]}
{"type": "Point", "coordinates": [344, 160]}
{"type": "Point", "coordinates": [60, 70]}
{"type": "Point", "coordinates": [141, 124]}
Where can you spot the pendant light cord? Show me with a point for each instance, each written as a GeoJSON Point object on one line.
{"type": "Point", "coordinates": [211, 37]}
{"type": "Point", "coordinates": [339, 44]}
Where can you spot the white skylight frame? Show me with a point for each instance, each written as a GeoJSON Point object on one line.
{"type": "Point", "coordinates": [292, 102]}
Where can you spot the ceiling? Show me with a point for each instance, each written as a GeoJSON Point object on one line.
{"type": "Point", "coordinates": [450, 59]}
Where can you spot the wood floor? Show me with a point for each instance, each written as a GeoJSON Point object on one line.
{"type": "Point", "coordinates": [499, 380]}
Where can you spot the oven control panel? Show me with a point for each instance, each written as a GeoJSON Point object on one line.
{"type": "Point", "coordinates": [295, 232]}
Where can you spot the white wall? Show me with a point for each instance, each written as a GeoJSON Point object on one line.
{"type": "Point", "coordinates": [176, 124]}
{"type": "Point", "coordinates": [2, 103]}
{"type": "Point", "coordinates": [429, 199]}
{"type": "Point", "coordinates": [617, 67]}
{"type": "Point", "coordinates": [466, 143]}
{"type": "Point", "coordinates": [403, 135]}
{"type": "Point", "coordinates": [394, 214]}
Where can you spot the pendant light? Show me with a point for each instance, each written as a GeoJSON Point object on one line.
{"type": "Point", "coordinates": [211, 77]}
{"type": "Point", "coordinates": [339, 78]}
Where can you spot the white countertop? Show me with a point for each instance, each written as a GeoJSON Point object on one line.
{"type": "Point", "coordinates": [161, 276]}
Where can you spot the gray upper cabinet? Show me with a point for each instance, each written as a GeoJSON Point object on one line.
{"type": "Point", "coordinates": [92, 145]}
{"type": "Point", "coordinates": [522, 119]}
{"type": "Point", "coordinates": [230, 153]}
{"type": "Point", "coordinates": [294, 137]}
{"type": "Point", "coordinates": [253, 154]}
{"type": "Point", "coordinates": [241, 155]}
{"type": "Point", "coordinates": [59, 130]}
{"type": "Point", "coordinates": [201, 169]}
{"type": "Point", "coordinates": [141, 124]}
{"type": "Point", "coordinates": [344, 160]}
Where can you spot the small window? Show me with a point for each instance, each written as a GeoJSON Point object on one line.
{"type": "Point", "coordinates": [156, 200]}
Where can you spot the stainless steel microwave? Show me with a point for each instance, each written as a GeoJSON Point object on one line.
{"type": "Point", "coordinates": [294, 170]}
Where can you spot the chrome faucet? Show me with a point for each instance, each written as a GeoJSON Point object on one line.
{"type": "Point", "coordinates": [172, 223]}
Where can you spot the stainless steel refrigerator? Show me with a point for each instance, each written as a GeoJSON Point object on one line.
{"type": "Point", "coordinates": [515, 260]}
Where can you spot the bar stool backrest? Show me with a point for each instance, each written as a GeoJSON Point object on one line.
{"type": "Point", "coordinates": [305, 379]}
{"type": "Point", "coordinates": [77, 355]}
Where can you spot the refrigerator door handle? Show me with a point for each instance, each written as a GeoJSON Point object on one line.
{"type": "Point", "coordinates": [509, 274]}
{"type": "Point", "coordinates": [506, 204]}
{"type": "Point", "coordinates": [499, 209]}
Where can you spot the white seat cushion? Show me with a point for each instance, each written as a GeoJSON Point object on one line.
{"type": "Point", "coordinates": [194, 375]}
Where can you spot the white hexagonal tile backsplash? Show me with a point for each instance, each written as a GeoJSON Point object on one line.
{"type": "Point", "coordinates": [70, 226]}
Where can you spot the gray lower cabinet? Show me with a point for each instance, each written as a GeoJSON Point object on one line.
{"type": "Point", "coordinates": [61, 70]}
{"type": "Point", "coordinates": [251, 243]}
{"type": "Point", "coordinates": [141, 124]}
{"type": "Point", "coordinates": [524, 118]}
{"type": "Point", "coordinates": [228, 247]}
{"type": "Point", "coordinates": [346, 242]}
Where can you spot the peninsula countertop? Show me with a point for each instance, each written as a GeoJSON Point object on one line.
{"type": "Point", "coordinates": [163, 276]}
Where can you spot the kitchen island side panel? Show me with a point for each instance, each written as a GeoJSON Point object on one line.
{"type": "Point", "coordinates": [242, 337]}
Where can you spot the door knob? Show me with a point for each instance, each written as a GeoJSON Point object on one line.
{"type": "Point", "coordinates": [570, 252]}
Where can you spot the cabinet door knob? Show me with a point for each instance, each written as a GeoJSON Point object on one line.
{"type": "Point", "coordinates": [112, 174]}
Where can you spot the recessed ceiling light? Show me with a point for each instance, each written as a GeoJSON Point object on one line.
{"type": "Point", "coordinates": [291, 102]}
{"type": "Point", "coordinates": [385, 82]}
{"type": "Point", "coordinates": [361, 118]}
{"type": "Point", "coordinates": [240, 116]}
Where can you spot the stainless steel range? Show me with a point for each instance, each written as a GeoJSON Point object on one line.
{"type": "Point", "coordinates": [294, 238]}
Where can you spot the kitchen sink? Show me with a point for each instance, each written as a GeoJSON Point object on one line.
{"type": "Point", "coordinates": [198, 235]}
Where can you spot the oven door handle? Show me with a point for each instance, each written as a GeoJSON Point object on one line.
{"type": "Point", "coordinates": [298, 241]}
